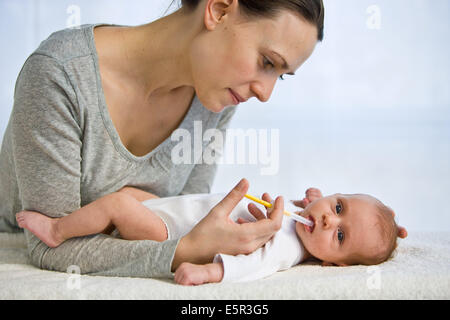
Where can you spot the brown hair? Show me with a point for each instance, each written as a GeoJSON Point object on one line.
{"type": "Point", "coordinates": [312, 11]}
{"type": "Point", "coordinates": [388, 229]}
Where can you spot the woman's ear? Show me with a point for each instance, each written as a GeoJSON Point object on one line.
{"type": "Point", "coordinates": [215, 11]}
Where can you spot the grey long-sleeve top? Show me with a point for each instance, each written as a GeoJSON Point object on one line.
{"type": "Point", "coordinates": [60, 151]}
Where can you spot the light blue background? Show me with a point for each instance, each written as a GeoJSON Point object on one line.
{"type": "Point", "coordinates": [368, 113]}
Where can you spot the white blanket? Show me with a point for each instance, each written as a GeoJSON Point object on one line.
{"type": "Point", "coordinates": [419, 270]}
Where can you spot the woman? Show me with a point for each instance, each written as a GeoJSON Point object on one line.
{"type": "Point", "coordinates": [94, 109]}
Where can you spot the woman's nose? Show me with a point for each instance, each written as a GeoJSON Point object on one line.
{"type": "Point", "coordinates": [263, 89]}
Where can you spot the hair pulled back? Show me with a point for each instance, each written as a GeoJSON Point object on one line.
{"type": "Point", "coordinates": [311, 10]}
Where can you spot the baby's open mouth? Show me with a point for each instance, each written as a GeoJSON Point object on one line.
{"type": "Point", "coordinates": [308, 228]}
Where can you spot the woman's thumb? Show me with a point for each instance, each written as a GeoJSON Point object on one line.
{"type": "Point", "coordinates": [233, 197]}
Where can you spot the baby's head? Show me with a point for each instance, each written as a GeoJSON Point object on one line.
{"type": "Point", "coordinates": [350, 229]}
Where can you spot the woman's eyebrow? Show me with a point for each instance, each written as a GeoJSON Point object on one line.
{"type": "Point", "coordinates": [285, 64]}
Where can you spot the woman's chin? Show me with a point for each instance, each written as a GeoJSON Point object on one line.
{"type": "Point", "coordinates": [215, 108]}
{"type": "Point", "coordinates": [212, 106]}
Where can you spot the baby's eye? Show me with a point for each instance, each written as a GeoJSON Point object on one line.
{"type": "Point", "coordinates": [340, 236]}
{"type": "Point", "coordinates": [338, 208]}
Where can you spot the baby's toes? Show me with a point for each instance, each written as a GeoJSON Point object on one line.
{"type": "Point", "coordinates": [20, 218]}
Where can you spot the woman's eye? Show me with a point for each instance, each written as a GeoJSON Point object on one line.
{"type": "Point", "coordinates": [340, 236]}
{"type": "Point", "coordinates": [267, 62]}
{"type": "Point", "coordinates": [338, 208]}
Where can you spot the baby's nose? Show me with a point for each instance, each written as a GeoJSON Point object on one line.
{"type": "Point", "coordinates": [328, 220]}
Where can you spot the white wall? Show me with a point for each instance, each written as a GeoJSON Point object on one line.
{"type": "Point", "coordinates": [368, 113]}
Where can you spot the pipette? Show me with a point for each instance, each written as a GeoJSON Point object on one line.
{"type": "Point", "coordinates": [287, 213]}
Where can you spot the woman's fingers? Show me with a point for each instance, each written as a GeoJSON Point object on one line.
{"type": "Point", "coordinates": [254, 210]}
{"type": "Point", "coordinates": [266, 197]}
{"type": "Point", "coordinates": [267, 227]}
{"type": "Point", "coordinates": [276, 214]}
{"type": "Point", "coordinates": [227, 204]}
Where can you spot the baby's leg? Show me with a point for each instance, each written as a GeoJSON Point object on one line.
{"type": "Point", "coordinates": [138, 194]}
{"type": "Point", "coordinates": [134, 221]}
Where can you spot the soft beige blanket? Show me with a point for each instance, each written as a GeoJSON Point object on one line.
{"type": "Point", "coordinates": [419, 270]}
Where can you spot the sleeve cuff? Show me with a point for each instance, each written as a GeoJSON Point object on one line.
{"type": "Point", "coordinates": [170, 246]}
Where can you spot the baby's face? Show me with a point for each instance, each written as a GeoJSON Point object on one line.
{"type": "Point", "coordinates": [343, 225]}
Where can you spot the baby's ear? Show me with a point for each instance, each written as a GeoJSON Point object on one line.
{"type": "Point", "coordinates": [401, 232]}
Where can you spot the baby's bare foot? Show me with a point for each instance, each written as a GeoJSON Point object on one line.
{"type": "Point", "coordinates": [41, 226]}
{"type": "Point", "coordinates": [189, 274]}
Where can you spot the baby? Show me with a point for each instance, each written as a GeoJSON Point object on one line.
{"type": "Point", "coordinates": [348, 230]}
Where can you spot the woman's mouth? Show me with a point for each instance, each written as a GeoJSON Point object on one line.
{"type": "Point", "coordinates": [308, 228]}
{"type": "Point", "coordinates": [234, 97]}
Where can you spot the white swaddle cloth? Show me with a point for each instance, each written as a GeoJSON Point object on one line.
{"type": "Point", "coordinates": [181, 213]}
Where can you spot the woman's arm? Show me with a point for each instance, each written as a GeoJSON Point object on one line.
{"type": "Point", "coordinates": [46, 134]}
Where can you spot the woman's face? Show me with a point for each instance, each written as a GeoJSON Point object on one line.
{"type": "Point", "coordinates": [232, 54]}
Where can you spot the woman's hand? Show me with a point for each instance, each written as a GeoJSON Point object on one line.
{"type": "Point", "coordinates": [217, 233]}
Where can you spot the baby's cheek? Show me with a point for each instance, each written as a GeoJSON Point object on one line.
{"type": "Point", "coordinates": [311, 245]}
{"type": "Point", "coordinates": [319, 247]}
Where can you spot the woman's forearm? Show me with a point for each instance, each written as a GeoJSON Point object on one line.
{"type": "Point", "coordinates": [189, 251]}
{"type": "Point", "coordinates": [105, 256]}
{"type": "Point", "coordinates": [183, 253]}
